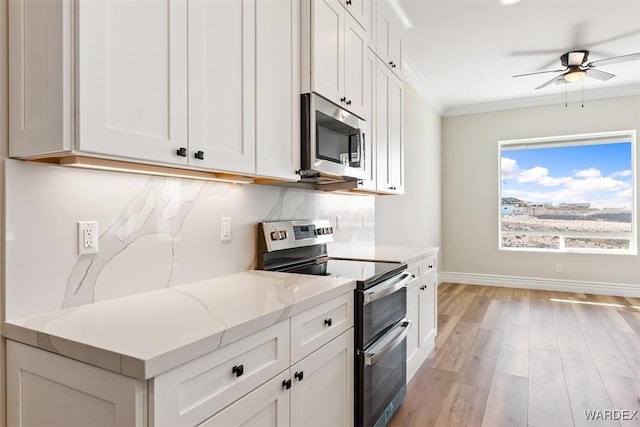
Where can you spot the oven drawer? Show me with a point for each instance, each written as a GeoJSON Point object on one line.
{"type": "Point", "coordinates": [190, 393]}
{"type": "Point", "coordinates": [317, 326]}
{"type": "Point", "coordinates": [383, 381]}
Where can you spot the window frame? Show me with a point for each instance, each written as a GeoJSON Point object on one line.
{"type": "Point", "coordinates": [575, 140]}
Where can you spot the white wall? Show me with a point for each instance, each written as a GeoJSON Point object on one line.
{"type": "Point", "coordinates": [413, 219]}
{"type": "Point", "coordinates": [470, 192]}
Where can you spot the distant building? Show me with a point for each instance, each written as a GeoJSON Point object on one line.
{"type": "Point", "coordinates": [512, 201]}
{"type": "Point", "coordinates": [574, 205]}
{"type": "Point", "coordinates": [513, 206]}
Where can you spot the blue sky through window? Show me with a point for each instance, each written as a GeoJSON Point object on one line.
{"type": "Point", "coordinates": [599, 174]}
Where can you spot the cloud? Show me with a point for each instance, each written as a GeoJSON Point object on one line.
{"type": "Point", "coordinates": [540, 175]}
{"type": "Point", "coordinates": [597, 184]}
{"type": "Point", "coordinates": [588, 173]}
{"type": "Point", "coordinates": [621, 174]}
{"type": "Point", "coordinates": [508, 168]}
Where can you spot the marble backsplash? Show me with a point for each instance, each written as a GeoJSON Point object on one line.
{"type": "Point", "coordinates": [155, 232]}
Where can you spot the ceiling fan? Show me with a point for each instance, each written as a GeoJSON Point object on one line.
{"type": "Point", "coordinates": [576, 67]}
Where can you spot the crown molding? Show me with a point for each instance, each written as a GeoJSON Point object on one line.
{"type": "Point", "coordinates": [417, 81]}
{"type": "Point", "coordinates": [538, 101]}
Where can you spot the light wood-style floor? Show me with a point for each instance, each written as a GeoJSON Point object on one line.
{"type": "Point", "coordinates": [514, 357]}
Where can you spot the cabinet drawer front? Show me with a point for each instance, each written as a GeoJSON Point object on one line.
{"type": "Point", "coordinates": [429, 264]}
{"type": "Point", "coordinates": [191, 393]}
{"type": "Point", "coordinates": [415, 268]}
{"type": "Point", "coordinates": [268, 405]}
{"type": "Point", "coordinates": [315, 327]}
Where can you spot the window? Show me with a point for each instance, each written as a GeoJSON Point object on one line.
{"type": "Point", "coordinates": [569, 194]}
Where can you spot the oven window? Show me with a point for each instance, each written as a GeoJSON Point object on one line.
{"type": "Point", "coordinates": [336, 141]}
{"type": "Point", "coordinates": [381, 314]}
{"type": "Point", "coordinates": [382, 381]}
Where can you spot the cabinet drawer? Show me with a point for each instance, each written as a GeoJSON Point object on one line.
{"type": "Point", "coordinates": [415, 268]}
{"type": "Point", "coordinates": [317, 326]}
{"type": "Point", "coordinates": [429, 264]}
{"type": "Point", "coordinates": [189, 394]}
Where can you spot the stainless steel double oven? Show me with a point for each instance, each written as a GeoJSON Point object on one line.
{"type": "Point", "coordinates": [381, 325]}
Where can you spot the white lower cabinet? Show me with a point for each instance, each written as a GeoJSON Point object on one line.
{"type": "Point", "coordinates": [253, 381]}
{"type": "Point", "coordinates": [423, 312]}
{"type": "Point", "coordinates": [266, 406]}
{"type": "Point", "coordinates": [45, 389]}
{"type": "Point", "coordinates": [322, 389]}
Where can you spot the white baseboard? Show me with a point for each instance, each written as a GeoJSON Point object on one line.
{"type": "Point", "coordinates": [599, 288]}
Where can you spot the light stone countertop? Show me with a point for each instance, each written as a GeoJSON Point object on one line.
{"type": "Point", "coordinates": [146, 334]}
{"type": "Point", "coordinates": [399, 254]}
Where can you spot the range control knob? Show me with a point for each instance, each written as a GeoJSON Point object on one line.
{"type": "Point", "coordinates": [275, 235]}
{"type": "Point", "coordinates": [283, 234]}
{"type": "Point", "coordinates": [320, 231]}
{"type": "Point", "coordinates": [330, 230]}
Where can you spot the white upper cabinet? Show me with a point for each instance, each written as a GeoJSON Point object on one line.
{"type": "Point", "coordinates": [132, 79]}
{"type": "Point", "coordinates": [278, 88]}
{"type": "Point", "coordinates": [222, 85]}
{"type": "Point", "coordinates": [338, 46]}
{"type": "Point", "coordinates": [388, 38]}
{"type": "Point", "coordinates": [360, 10]}
{"type": "Point", "coordinates": [191, 83]}
{"type": "Point", "coordinates": [389, 142]}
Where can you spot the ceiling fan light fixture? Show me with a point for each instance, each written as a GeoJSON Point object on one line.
{"type": "Point", "coordinates": [508, 2]}
{"type": "Point", "coordinates": [574, 76]}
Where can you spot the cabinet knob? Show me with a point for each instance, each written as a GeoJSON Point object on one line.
{"type": "Point", "coordinates": [328, 322]}
{"type": "Point", "coordinates": [299, 375]}
{"type": "Point", "coordinates": [413, 276]}
{"type": "Point", "coordinates": [349, 102]}
{"type": "Point", "coordinates": [286, 384]}
{"type": "Point", "coordinates": [199, 155]}
{"type": "Point", "coordinates": [391, 63]}
{"type": "Point", "coordinates": [182, 152]}
{"type": "Point", "coordinates": [423, 287]}
{"type": "Point", "coordinates": [343, 99]}
{"type": "Point", "coordinates": [238, 370]}
{"type": "Point", "coordinates": [430, 267]}
{"type": "Point", "coordinates": [393, 66]}
{"type": "Point", "coordinates": [349, 2]}
{"type": "Point", "coordinates": [392, 188]}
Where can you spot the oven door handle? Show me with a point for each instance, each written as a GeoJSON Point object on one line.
{"type": "Point", "coordinates": [374, 357]}
{"type": "Point", "coordinates": [386, 288]}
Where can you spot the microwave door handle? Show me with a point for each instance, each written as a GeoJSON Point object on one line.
{"type": "Point", "coordinates": [362, 152]}
{"type": "Point", "coordinates": [386, 288]}
{"type": "Point", "coordinates": [374, 357]}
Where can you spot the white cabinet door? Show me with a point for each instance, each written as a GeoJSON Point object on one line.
{"type": "Point", "coordinates": [222, 85]}
{"type": "Point", "coordinates": [389, 145]}
{"type": "Point", "coordinates": [327, 47]}
{"type": "Point", "coordinates": [413, 336]}
{"type": "Point", "coordinates": [355, 46]}
{"type": "Point", "coordinates": [278, 88]}
{"type": "Point", "coordinates": [396, 147]}
{"type": "Point", "coordinates": [47, 389]}
{"type": "Point", "coordinates": [388, 39]}
{"type": "Point", "coordinates": [428, 314]}
{"type": "Point", "coordinates": [322, 389]}
{"type": "Point", "coordinates": [132, 78]}
{"type": "Point", "coordinates": [369, 152]}
{"type": "Point", "coordinates": [41, 108]}
{"type": "Point", "coordinates": [267, 406]}
{"type": "Point", "coordinates": [360, 10]}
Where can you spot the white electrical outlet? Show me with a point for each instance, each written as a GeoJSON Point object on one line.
{"type": "Point", "coordinates": [225, 229]}
{"type": "Point", "coordinates": [87, 237]}
{"type": "Point", "coordinates": [558, 268]}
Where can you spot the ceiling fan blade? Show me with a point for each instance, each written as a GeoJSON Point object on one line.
{"type": "Point", "coordinates": [615, 59]}
{"type": "Point", "coordinates": [538, 72]}
{"type": "Point", "coordinates": [597, 74]}
{"type": "Point", "coordinates": [552, 81]}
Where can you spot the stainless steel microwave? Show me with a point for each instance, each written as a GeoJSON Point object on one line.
{"type": "Point", "coordinates": [333, 142]}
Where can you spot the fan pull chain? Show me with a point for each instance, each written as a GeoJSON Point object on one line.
{"type": "Point", "coordinates": [565, 95]}
{"type": "Point", "coordinates": [582, 91]}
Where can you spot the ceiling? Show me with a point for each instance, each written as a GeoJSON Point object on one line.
{"type": "Point", "coordinates": [464, 53]}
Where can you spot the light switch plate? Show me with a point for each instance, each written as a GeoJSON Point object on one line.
{"type": "Point", "coordinates": [225, 229]}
